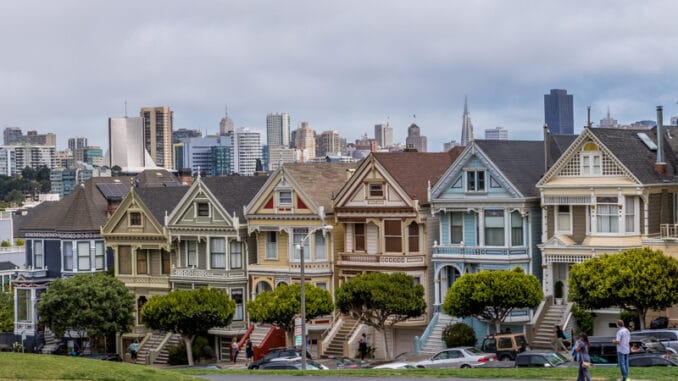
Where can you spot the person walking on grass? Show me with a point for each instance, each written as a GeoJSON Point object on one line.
{"type": "Point", "coordinates": [581, 350]}
{"type": "Point", "coordinates": [133, 350]}
{"type": "Point", "coordinates": [622, 340]}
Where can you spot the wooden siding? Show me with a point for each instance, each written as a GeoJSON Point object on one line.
{"type": "Point", "coordinates": [579, 223]}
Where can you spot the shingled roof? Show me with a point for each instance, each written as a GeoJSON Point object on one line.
{"type": "Point", "coordinates": [161, 200]}
{"type": "Point", "coordinates": [234, 192]}
{"type": "Point", "coordinates": [320, 181]}
{"type": "Point", "coordinates": [414, 170]}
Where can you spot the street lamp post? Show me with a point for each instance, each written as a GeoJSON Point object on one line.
{"type": "Point", "coordinates": [300, 245]}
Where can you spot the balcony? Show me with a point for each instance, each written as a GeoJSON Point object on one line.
{"type": "Point", "coordinates": [668, 231]}
{"type": "Point", "coordinates": [380, 260]}
{"type": "Point", "coordinates": [189, 273]}
{"type": "Point", "coordinates": [145, 281]}
{"type": "Point", "coordinates": [311, 267]}
{"type": "Point", "coordinates": [480, 253]}
{"type": "Point", "coordinates": [32, 273]}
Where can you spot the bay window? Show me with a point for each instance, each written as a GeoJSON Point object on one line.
{"type": "Point", "coordinates": [271, 245]}
{"type": "Point", "coordinates": [124, 259]}
{"type": "Point", "coordinates": [192, 253]}
{"type": "Point", "coordinates": [564, 219]}
{"type": "Point", "coordinates": [413, 237]}
{"type": "Point", "coordinates": [298, 235]}
{"type": "Point", "coordinates": [359, 237]}
{"type": "Point", "coordinates": [68, 255]}
{"type": "Point", "coordinates": [39, 254]}
{"type": "Point", "coordinates": [83, 256]}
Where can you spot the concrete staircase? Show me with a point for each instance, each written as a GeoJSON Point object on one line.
{"type": "Point", "coordinates": [51, 343]}
{"type": "Point", "coordinates": [336, 346]}
{"type": "Point", "coordinates": [435, 342]}
{"type": "Point", "coordinates": [174, 340]}
{"type": "Point", "coordinates": [153, 343]}
{"type": "Point", "coordinates": [545, 333]}
{"type": "Point", "coordinates": [258, 334]}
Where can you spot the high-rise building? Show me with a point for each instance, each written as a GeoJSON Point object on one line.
{"type": "Point", "coordinates": [278, 129]}
{"type": "Point", "coordinates": [184, 133]}
{"type": "Point", "coordinates": [226, 124]}
{"type": "Point", "coordinates": [466, 126]}
{"type": "Point", "coordinates": [77, 143]}
{"type": "Point", "coordinates": [449, 145]}
{"type": "Point", "coordinates": [157, 123]}
{"type": "Point", "coordinates": [14, 136]}
{"type": "Point", "coordinates": [93, 156]}
{"type": "Point", "coordinates": [304, 139]}
{"type": "Point", "coordinates": [198, 153]}
{"type": "Point", "coordinates": [608, 121]}
{"type": "Point", "coordinates": [246, 151]}
{"type": "Point", "coordinates": [126, 144]}
{"type": "Point", "coordinates": [35, 156]}
{"type": "Point", "coordinates": [383, 134]}
{"type": "Point", "coordinates": [277, 156]}
{"type": "Point", "coordinates": [330, 143]}
{"type": "Point", "coordinates": [496, 133]}
{"type": "Point", "coordinates": [559, 112]}
{"type": "Point", "coordinates": [414, 139]}
{"type": "Point", "coordinates": [7, 161]}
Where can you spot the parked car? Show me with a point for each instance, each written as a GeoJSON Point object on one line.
{"type": "Point", "coordinates": [462, 357]}
{"type": "Point", "coordinates": [340, 362]}
{"type": "Point", "coordinates": [278, 353]}
{"type": "Point", "coordinates": [668, 337]}
{"type": "Point", "coordinates": [395, 365]}
{"type": "Point", "coordinates": [505, 345]}
{"type": "Point", "coordinates": [651, 360]}
{"type": "Point", "coordinates": [293, 365]}
{"type": "Point", "coordinates": [602, 351]}
{"type": "Point", "coordinates": [542, 360]}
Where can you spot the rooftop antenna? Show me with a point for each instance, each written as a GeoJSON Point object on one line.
{"type": "Point", "coordinates": [125, 109]}
{"type": "Point", "coordinates": [388, 118]}
{"type": "Point", "coordinates": [226, 111]}
{"type": "Point", "coordinates": [588, 116]}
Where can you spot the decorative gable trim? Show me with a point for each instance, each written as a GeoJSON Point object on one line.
{"type": "Point", "coordinates": [266, 198]}
{"type": "Point", "coordinates": [200, 191]}
{"type": "Point", "coordinates": [131, 203]}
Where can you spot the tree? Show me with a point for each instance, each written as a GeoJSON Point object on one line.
{"type": "Point", "coordinates": [492, 295]}
{"type": "Point", "coordinates": [637, 280]}
{"type": "Point", "coordinates": [189, 313]}
{"type": "Point", "coordinates": [6, 312]}
{"type": "Point", "coordinates": [93, 304]}
{"type": "Point", "coordinates": [459, 335]}
{"type": "Point", "coordinates": [381, 300]}
{"type": "Point", "coordinates": [281, 305]}
{"type": "Point", "coordinates": [14, 196]}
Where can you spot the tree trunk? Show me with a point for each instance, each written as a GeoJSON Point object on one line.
{"type": "Point", "coordinates": [188, 341]}
{"type": "Point", "coordinates": [497, 326]}
{"type": "Point", "coordinates": [387, 353]}
{"type": "Point", "coordinates": [642, 314]}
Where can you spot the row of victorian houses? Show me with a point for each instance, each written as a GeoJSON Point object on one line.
{"type": "Point", "coordinates": [541, 205]}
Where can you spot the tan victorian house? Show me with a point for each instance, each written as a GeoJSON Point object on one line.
{"type": "Point", "coordinates": [384, 211]}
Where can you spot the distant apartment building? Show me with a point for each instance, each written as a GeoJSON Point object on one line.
{"type": "Point", "coordinates": [157, 123]}
{"type": "Point", "coordinates": [64, 158]}
{"type": "Point", "coordinates": [184, 133]}
{"type": "Point", "coordinates": [63, 181]}
{"type": "Point", "coordinates": [33, 156]}
{"type": "Point", "coordinates": [246, 151]}
{"type": "Point", "coordinates": [126, 143]}
{"type": "Point", "coordinates": [449, 145]}
{"type": "Point", "coordinates": [414, 139]}
{"type": "Point", "coordinates": [93, 156]}
{"type": "Point", "coordinates": [277, 156]}
{"type": "Point", "coordinates": [14, 136]}
{"type": "Point", "coordinates": [7, 161]}
{"type": "Point", "coordinates": [330, 143]}
{"type": "Point", "coordinates": [383, 134]}
{"type": "Point", "coordinates": [202, 154]}
{"type": "Point", "coordinates": [278, 129]}
{"type": "Point", "coordinates": [304, 139]}
{"type": "Point", "coordinates": [559, 112]}
{"type": "Point", "coordinates": [496, 133]}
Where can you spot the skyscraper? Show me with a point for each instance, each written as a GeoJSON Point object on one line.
{"type": "Point", "coordinates": [497, 133]}
{"type": "Point", "coordinates": [383, 134]}
{"type": "Point", "coordinates": [466, 126]}
{"type": "Point", "coordinates": [126, 143]}
{"type": "Point", "coordinates": [559, 112]}
{"type": "Point", "coordinates": [304, 139]}
{"type": "Point", "coordinates": [246, 151]}
{"type": "Point", "coordinates": [414, 139]}
{"type": "Point", "coordinates": [158, 134]}
{"type": "Point", "coordinates": [226, 124]}
{"type": "Point", "coordinates": [330, 143]}
{"type": "Point", "coordinates": [278, 129]}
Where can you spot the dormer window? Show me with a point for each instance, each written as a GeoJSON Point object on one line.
{"type": "Point", "coordinates": [376, 190]}
{"type": "Point", "coordinates": [203, 209]}
{"type": "Point", "coordinates": [591, 160]}
{"type": "Point", "coordinates": [285, 198]}
{"type": "Point", "coordinates": [134, 219]}
{"type": "Point", "coordinates": [475, 181]}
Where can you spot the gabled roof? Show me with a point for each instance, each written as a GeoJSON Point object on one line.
{"type": "Point", "coordinates": [414, 170]}
{"type": "Point", "coordinates": [161, 200]}
{"type": "Point", "coordinates": [157, 178]}
{"type": "Point", "coordinates": [319, 181]}
{"type": "Point", "coordinates": [234, 192]}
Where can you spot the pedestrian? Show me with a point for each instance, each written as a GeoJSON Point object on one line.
{"type": "Point", "coordinates": [581, 350]}
{"type": "Point", "coordinates": [559, 343]}
{"type": "Point", "coordinates": [622, 340]}
{"type": "Point", "coordinates": [362, 347]}
{"type": "Point", "coordinates": [134, 349]}
{"type": "Point", "coordinates": [234, 349]}
{"type": "Point", "coordinates": [249, 351]}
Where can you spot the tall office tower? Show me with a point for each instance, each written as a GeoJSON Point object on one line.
{"type": "Point", "coordinates": [383, 134]}
{"type": "Point", "coordinates": [559, 112]}
{"type": "Point", "coordinates": [414, 139]}
{"type": "Point", "coordinates": [330, 143]}
{"type": "Point", "coordinates": [497, 133]}
{"type": "Point", "coordinates": [608, 122]}
{"type": "Point", "coordinates": [226, 124]}
{"type": "Point", "coordinates": [246, 151]}
{"type": "Point", "coordinates": [77, 145]}
{"type": "Point", "coordinates": [466, 126]}
{"type": "Point", "coordinates": [7, 161]}
{"type": "Point", "coordinates": [197, 153]}
{"type": "Point", "coordinates": [93, 156]}
{"type": "Point", "coordinates": [304, 139]}
{"type": "Point", "coordinates": [12, 135]}
{"type": "Point", "coordinates": [158, 134]}
{"type": "Point", "coordinates": [126, 143]}
{"type": "Point", "coordinates": [278, 129]}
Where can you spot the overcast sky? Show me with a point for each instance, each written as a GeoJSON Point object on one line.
{"type": "Point", "coordinates": [66, 66]}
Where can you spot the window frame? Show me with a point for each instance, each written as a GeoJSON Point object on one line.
{"type": "Point", "coordinates": [320, 245]}
{"type": "Point", "coordinates": [609, 202]}
{"type": "Point", "coordinates": [65, 257]}
{"type": "Point", "coordinates": [192, 254]}
{"type": "Point", "coordinates": [360, 237]}
{"type": "Point", "coordinates": [591, 163]}
{"type": "Point", "coordinates": [558, 229]}
{"type": "Point", "coordinates": [135, 219]}
{"type": "Point", "coordinates": [516, 214]}
{"type": "Point", "coordinates": [235, 256]}
{"type": "Point", "coordinates": [202, 209]}
{"type": "Point", "coordinates": [83, 257]}
{"type": "Point", "coordinates": [475, 183]}
{"type": "Point", "coordinates": [271, 245]}
{"type": "Point", "coordinates": [123, 266]}
{"type": "Point", "coordinates": [285, 201]}
{"type": "Point", "coordinates": [413, 245]}
{"type": "Point", "coordinates": [375, 190]}
{"type": "Point", "coordinates": [142, 262]}
{"type": "Point", "coordinates": [487, 229]}
{"type": "Point", "coordinates": [215, 255]}
{"type": "Point", "coordinates": [393, 238]}
{"type": "Point", "coordinates": [239, 312]}
{"type": "Point", "coordinates": [99, 255]}
{"type": "Point", "coordinates": [165, 262]}
{"type": "Point", "coordinates": [459, 227]}
{"type": "Point", "coordinates": [298, 234]}
{"type": "Point", "coordinates": [38, 255]}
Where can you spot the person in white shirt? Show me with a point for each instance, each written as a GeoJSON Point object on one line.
{"type": "Point", "coordinates": [622, 341]}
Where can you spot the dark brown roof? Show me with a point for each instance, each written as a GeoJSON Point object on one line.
{"type": "Point", "coordinates": [414, 170]}
{"type": "Point", "coordinates": [320, 181]}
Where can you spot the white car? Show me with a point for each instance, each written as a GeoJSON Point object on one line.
{"type": "Point", "coordinates": [395, 365]}
{"type": "Point", "coordinates": [463, 357]}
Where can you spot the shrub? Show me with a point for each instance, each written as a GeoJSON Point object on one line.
{"type": "Point", "coordinates": [584, 319]}
{"type": "Point", "coordinates": [19, 242]}
{"type": "Point", "coordinates": [177, 355]}
{"type": "Point", "coordinates": [459, 335]}
{"type": "Point", "coordinates": [201, 350]}
{"type": "Point", "coordinates": [5, 243]}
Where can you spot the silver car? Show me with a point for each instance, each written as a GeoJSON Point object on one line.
{"type": "Point", "coordinates": [462, 357]}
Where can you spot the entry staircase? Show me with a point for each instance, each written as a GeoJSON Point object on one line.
{"type": "Point", "coordinates": [155, 349]}
{"type": "Point", "coordinates": [544, 332]}
{"type": "Point", "coordinates": [336, 346]}
{"type": "Point", "coordinates": [51, 342]}
{"type": "Point", "coordinates": [434, 343]}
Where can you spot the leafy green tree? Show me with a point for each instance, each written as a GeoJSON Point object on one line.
{"type": "Point", "coordinates": [637, 280]}
{"type": "Point", "coordinates": [492, 295]}
{"type": "Point", "coordinates": [6, 312]}
{"type": "Point", "coordinates": [459, 335]}
{"type": "Point", "coordinates": [189, 313]}
{"type": "Point", "coordinates": [281, 305]}
{"type": "Point", "coordinates": [381, 300]}
{"type": "Point", "coordinates": [95, 304]}
{"type": "Point", "coordinates": [14, 196]}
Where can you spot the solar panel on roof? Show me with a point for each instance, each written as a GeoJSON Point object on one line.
{"type": "Point", "coordinates": [114, 191]}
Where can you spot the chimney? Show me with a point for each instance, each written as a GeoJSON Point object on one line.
{"type": "Point", "coordinates": [660, 164]}
{"type": "Point", "coordinates": [547, 145]}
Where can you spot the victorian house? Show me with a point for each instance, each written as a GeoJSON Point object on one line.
{"type": "Point", "coordinates": [385, 214]}
{"type": "Point", "coordinates": [292, 213]}
{"type": "Point", "coordinates": [612, 190]}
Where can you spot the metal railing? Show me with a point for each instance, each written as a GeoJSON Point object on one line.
{"type": "Point", "coordinates": [419, 342]}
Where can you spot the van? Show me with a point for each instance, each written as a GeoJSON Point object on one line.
{"type": "Point", "coordinates": [505, 345]}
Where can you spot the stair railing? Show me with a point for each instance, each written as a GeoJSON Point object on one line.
{"type": "Point", "coordinates": [331, 333]}
{"type": "Point", "coordinates": [153, 353]}
{"type": "Point", "coordinates": [419, 342]}
{"type": "Point", "coordinates": [531, 327]}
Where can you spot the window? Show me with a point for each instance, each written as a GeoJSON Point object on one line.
{"type": "Point", "coordinates": [630, 214]}
{"type": "Point", "coordinates": [359, 237]}
{"type": "Point", "coordinates": [24, 306]}
{"type": "Point", "coordinates": [83, 256]}
{"type": "Point", "coordinates": [165, 259]}
{"type": "Point", "coordinates": [271, 245]}
{"type": "Point", "coordinates": [236, 296]}
{"type": "Point", "coordinates": [134, 219]}
{"type": "Point", "coordinates": [142, 261]}
{"type": "Point", "coordinates": [236, 255]}
{"type": "Point", "coordinates": [320, 246]}
{"type": "Point", "coordinates": [298, 235]}
{"type": "Point", "coordinates": [99, 255]}
{"type": "Point", "coordinates": [475, 181]}
{"type": "Point", "coordinates": [393, 236]}
{"type": "Point", "coordinates": [456, 227]}
{"type": "Point", "coordinates": [321, 285]}
{"type": "Point", "coordinates": [494, 227]}
{"type": "Point", "coordinates": [591, 160]}
{"type": "Point", "coordinates": [285, 198]}
{"type": "Point", "coordinates": [68, 255]}
{"type": "Point", "coordinates": [607, 215]}
{"type": "Point", "coordinates": [516, 229]}
{"type": "Point", "coordinates": [39, 254]}
{"type": "Point", "coordinates": [564, 219]}
{"type": "Point", "coordinates": [413, 237]}
{"type": "Point", "coordinates": [218, 253]}
{"type": "Point", "coordinates": [192, 253]}
{"type": "Point", "coordinates": [376, 190]}
{"type": "Point", "coordinates": [124, 259]}
{"type": "Point", "coordinates": [203, 209]}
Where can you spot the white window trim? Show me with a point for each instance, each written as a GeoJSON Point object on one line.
{"type": "Point", "coordinates": [369, 190]}
{"type": "Point", "coordinates": [591, 155]}
{"type": "Point", "coordinates": [42, 244]}
{"type": "Point", "coordinates": [636, 215]}
{"type": "Point", "coordinates": [209, 209]}
{"type": "Point", "coordinates": [463, 229]}
{"type": "Point", "coordinates": [229, 262]}
{"type": "Point", "coordinates": [475, 171]}
{"type": "Point", "coordinates": [556, 225]}
{"type": "Point", "coordinates": [266, 243]}
{"type": "Point", "coordinates": [593, 217]}
{"type": "Point", "coordinates": [279, 199]}
{"type": "Point", "coordinates": [186, 253]}
{"type": "Point", "coordinates": [507, 231]}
